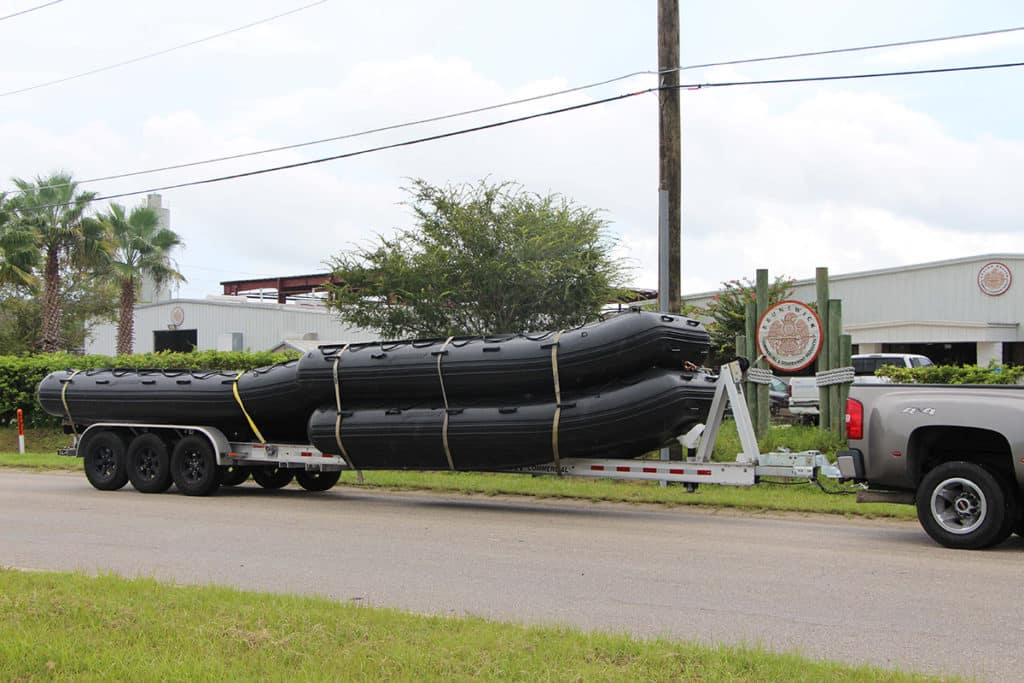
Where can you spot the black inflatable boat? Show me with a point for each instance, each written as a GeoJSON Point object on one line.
{"type": "Point", "coordinates": [616, 388]}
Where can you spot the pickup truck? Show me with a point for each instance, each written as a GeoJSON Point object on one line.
{"type": "Point", "coordinates": [956, 452]}
{"type": "Point", "coordinates": [803, 391]}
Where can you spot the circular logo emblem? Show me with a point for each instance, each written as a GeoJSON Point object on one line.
{"type": "Point", "coordinates": [177, 315]}
{"type": "Point", "coordinates": [789, 335]}
{"type": "Point", "coordinates": [995, 278]}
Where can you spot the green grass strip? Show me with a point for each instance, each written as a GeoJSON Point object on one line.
{"type": "Point", "coordinates": [70, 627]}
{"type": "Point", "coordinates": [803, 498]}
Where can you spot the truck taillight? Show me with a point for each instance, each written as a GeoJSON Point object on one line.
{"type": "Point", "coordinates": [854, 419]}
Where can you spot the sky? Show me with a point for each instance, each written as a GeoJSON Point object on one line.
{"type": "Point", "coordinates": [850, 175]}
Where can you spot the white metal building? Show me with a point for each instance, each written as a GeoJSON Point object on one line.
{"type": "Point", "coordinates": [961, 311]}
{"type": "Point", "coordinates": [227, 323]}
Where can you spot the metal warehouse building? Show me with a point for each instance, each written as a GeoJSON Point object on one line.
{"type": "Point", "coordinates": [961, 311]}
{"type": "Point", "coordinates": [227, 323]}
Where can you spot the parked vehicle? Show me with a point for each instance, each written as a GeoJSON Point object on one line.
{"type": "Point", "coordinates": [778, 394]}
{"type": "Point", "coordinates": [953, 451]}
{"type": "Point", "coordinates": [803, 391]}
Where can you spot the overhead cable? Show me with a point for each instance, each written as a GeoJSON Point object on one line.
{"type": "Point", "coordinates": [528, 117]}
{"type": "Point", "coordinates": [442, 117]}
{"type": "Point", "coordinates": [841, 50]}
{"type": "Point", "coordinates": [150, 55]}
{"type": "Point", "coordinates": [30, 9]}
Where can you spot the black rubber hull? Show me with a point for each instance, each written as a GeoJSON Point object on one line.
{"type": "Point", "coordinates": [278, 405]}
{"type": "Point", "coordinates": [625, 419]}
{"type": "Point", "coordinates": [620, 346]}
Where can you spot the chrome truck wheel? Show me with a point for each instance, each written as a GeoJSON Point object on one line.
{"type": "Point", "coordinates": [962, 505]}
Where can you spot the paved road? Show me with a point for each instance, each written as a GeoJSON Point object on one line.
{"type": "Point", "coordinates": [855, 591]}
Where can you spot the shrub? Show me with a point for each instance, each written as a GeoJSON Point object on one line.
{"type": "Point", "coordinates": [955, 374]}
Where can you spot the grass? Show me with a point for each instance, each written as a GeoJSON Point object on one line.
{"type": "Point", "coordinates": [71, 627]}
{"type": "Point", "coordinates": [766, 497]}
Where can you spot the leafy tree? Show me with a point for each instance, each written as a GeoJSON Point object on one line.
{"type": "Point", "coordinates": [727, 310]}
{"type": "Point", "coordinates": [141, 247]}
{"type": "Point", "coordinates": [483, 258]}
{"type": "Point", "coordinates": [53, 211]}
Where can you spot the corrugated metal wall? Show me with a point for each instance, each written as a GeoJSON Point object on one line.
{"type": "Point", "coordinates": [262, 326]}
{"type": "Point", "coordinates": [933, 302]}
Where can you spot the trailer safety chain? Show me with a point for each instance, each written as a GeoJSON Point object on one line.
{"type": "Point", "coordinates": [337, 419]}
{"type": "Point", "coordinates": [64, 400]}
{"type": "Point", "coordinates": [835, 376]}
{"type": "Point", "coordinates": [759, 376]}
{"type": "Point", "coordinates": [238, 398]}
{"type": "Point", "coordinates": [558, 402]}
{"type": "Point", "coordinates": [444, 427]}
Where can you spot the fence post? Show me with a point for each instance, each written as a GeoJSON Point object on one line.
{"type": "Point", "coordinates": [21, 432]}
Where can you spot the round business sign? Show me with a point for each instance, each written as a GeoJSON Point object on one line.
{"type": "Point", "coordinates": [995, 278]}
{"type": "Point", "coordinates": [177, 315]}
{"type": "Point", "coordinates": [789, 335]}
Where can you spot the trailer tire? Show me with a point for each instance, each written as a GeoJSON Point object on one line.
{"type": "Point", "coordinates": [103, 458]}
{"type": "Point", "coordinates": [149, 464]}
{"type": "Point", "coordinates": [272, 477]}
{"type": "Point", "coordinates": [962, 505]}
{"type": "Point", "coordinates": [317, 481]}
{"type": "Point", "coordinates": [233, 475]}
{"type": "Point", "coordinates": [193, 467]}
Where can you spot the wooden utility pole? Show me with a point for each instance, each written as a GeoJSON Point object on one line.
{"type": "Point", "coordinates": [670, 166]}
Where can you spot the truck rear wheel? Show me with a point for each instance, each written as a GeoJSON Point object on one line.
{"type": "Point", "coordinates": [962, 505]}
{"type": "Point", "coordinates": [193, 467]}
{"type": "Point", "coordinates": [103, 458]}
{"type": "Point", "coordinates": [272, 477]}
{"type": "Point", "coordinates": [149, 464]}
{"type": "Point", "coordinates": [317, 481]}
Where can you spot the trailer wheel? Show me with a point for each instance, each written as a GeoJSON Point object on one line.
{"type": "Point", "coordinates": [233, 475]}
{"type": "Point", "coordinates": [193, 467]}
{"type": "Point", "coordinates": [149, 464]}
{"type": "Point", "coordinates": [104, 461]}
{"type": "Point", "coordinates": [272, 477]}
{"type": "Point", "coordinates": [962, 505]}
{"type": "Point", "coordinates": [317, 481]}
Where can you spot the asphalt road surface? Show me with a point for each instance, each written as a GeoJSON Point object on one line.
{"type": "Point", "coordinates": [855, 591]}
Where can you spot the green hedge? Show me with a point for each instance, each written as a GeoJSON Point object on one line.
{"type": "Point", "coordinates": [955, 374]}
{"type": "Point", "coordinates": [20, 375]}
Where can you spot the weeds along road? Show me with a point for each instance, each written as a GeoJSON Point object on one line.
{"type": "Point", "coordinates": [854, 591]}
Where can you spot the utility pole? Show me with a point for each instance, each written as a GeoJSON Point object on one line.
{"type": "Point", "coordinates": [669, 171]}
{"type": "Point", "coordinates": [670, 167]}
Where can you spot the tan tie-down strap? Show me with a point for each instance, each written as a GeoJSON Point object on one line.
{"type": "Point", "coordinates": [444, 395]}
{"type": "Point", "coordinates": [558, 402]}
{"type": "Point", "coordinates": [337, 419]}
{"type": "Point", "coordinates": [64, 400]}
{"type": "Point", "coordinates": [238, 398]}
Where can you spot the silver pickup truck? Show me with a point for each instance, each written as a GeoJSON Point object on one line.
{"type": "Point", "coordinates": [956, 452]}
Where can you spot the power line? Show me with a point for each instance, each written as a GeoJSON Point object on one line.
{"type": "Point", "coordinates": [442, 117]}
{"type": "Point", "coordinates": [528, 117]}
{"type": "Point", "coordinates": [861, 48]}
{"type": "Point", "coordinates": [848, 77]}
{"type": "Point", "coordinates": [30, 9]}
{"type": "Point", "coordinates": [160, 52]}
{"type": "Point", "coordinates": [348, 136]}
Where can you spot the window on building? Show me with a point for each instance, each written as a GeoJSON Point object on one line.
{"type": "Point", "coordinates": [184, 341]}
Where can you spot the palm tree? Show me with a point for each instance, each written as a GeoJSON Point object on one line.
{"type": "Point", "coordinates": [141, 247]}
{"type": "Point", "coordinates": [18, 253]}
{"type": "Point", "coordinates": [52, 210]}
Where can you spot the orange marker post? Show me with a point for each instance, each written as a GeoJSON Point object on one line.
{"type": "Point", "coordinates": [21, 432]}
